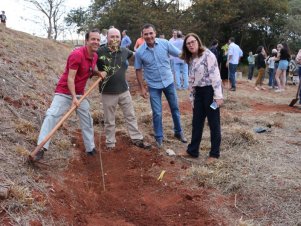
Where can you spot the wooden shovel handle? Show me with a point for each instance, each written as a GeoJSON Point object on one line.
{"type": "Point", "coordinates": [66, 116]}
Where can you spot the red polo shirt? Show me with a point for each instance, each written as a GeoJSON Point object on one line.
{"type": "Point", "coordinates": [78, 60]}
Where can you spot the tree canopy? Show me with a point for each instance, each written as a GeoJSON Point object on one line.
{"type": "Point", "coordinates": [252, 23]}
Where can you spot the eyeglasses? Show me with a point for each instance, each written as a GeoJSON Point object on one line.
{"type": "Point", "coordinates": [191, 42]}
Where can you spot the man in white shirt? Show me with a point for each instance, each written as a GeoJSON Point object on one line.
{"type": "Point", "coordinates": [234, 55]}
{"type": "Point", "coordinates": [103, 37]}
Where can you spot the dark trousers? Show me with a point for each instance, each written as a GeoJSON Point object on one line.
{"type": "Point", "coordinates": [251, 71]}
{"type": "Point", "coordinates": [203, 100]}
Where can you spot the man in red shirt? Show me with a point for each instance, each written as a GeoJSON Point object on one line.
{"type": "Point", "coordinates": [80, 66]}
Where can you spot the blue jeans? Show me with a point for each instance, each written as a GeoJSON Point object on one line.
{"type": "Point", "coordinates": [156, 104]}
{"type": "Point", "coordinates": [271, 76]}
{"type": "Point", "coordinates": [181, 72]}
{"type": "Point", "coordinates": [232, 70]}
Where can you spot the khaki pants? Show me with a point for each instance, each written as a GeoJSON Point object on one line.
{"type": "Point", "coordinates": [60, 104]}
{"type": "Point", "coordinates": [261, 72]}
{"type": "Point", "coordinates": [110, 102]}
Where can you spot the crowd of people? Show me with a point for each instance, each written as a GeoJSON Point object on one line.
{"type": "Point", "coordinates": [162, 67]}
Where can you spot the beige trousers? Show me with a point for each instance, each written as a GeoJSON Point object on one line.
{"type": "Point", "coordinates": [110, 102]}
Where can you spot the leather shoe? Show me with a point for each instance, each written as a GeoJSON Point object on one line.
{"type": "Point", "coordinates": [92, 153]}
{"type": "Point", "coordinates": [180, 137]}
{"type": "Point", "coordinates": [142, 144]}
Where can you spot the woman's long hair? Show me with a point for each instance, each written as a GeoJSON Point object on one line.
{"type": "Point", "coordinates": [186, 54]}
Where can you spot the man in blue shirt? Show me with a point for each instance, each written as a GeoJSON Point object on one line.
{"type": "Point", "coordinates": [126, 41]}
{"type": "Point", "coordinates": [152, 56]}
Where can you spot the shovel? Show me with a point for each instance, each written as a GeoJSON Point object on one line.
{"type": "Point", "coordinates": [66, 116]}
{"type": "Point", "coordinates": [297, 96]}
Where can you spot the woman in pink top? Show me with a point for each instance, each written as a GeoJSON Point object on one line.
{"type": "Point", "coordinates": [206, 95]}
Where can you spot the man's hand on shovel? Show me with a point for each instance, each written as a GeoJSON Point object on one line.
{"type": "Point", "coordinates": [75, 104]}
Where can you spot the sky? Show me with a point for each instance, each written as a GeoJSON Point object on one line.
{"type": "Point", "coordinates": [20, 15]}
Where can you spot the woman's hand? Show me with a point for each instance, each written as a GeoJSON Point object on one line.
{"type": "Point", "coordinates": [219, 102]}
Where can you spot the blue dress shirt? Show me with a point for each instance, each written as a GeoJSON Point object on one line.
{"type": "Point", "coordinates": [155, 63]}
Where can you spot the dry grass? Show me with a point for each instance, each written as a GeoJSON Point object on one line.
{"type": "Point", "coordinates": [261, 170]}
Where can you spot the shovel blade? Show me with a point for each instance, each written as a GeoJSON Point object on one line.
{"type": "Point", "coordinates": [293, 102]}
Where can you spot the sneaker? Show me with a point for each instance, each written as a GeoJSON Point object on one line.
{"type": "Point", "coordinates": [181, 137]}
{"type": "Point", "coordinates": [262, 88]}
{"type": "Point", "coordinates": [256, 88]}
{"type": "Point", "coordinates": [233, 89]}
{"type": "Point", "coordinates": [91, 153]}
{"type": "Point", "coordinates": [142, 144]}
{"type": "Point", "coordinates": [159, 144]}
{"type": "Point", "coordinates": [40, 154]}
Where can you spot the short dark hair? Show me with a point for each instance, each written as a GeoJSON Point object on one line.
{"type": "Point", "coordinates": [179, 34]}
{"type": "Point", "coordinates": [146, 26]}
{"type": "Point", "coordinates": [125, 31]}
{"type": "Point", "coordinates": [214, 42]}
{"type": "Point", "coordinates": [232, 39]}
{"type": "Point", "coordinates": [259, 49]}
{"type": "Point", "coordinates": [88, 33]}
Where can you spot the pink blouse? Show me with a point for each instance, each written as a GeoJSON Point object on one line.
{"type": "Point", "coordinates": [204, 71]}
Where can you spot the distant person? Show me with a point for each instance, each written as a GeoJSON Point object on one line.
{"type": "Point", "coordinates": [224, 69]}
{"type": "Point", "coordinates": [162, 36]}
{"type": "Point", "coordinates": [3, 18]}
{"type": "Point", "coordinates": [251, 62]}
{"type": "Point", "coordinates": [293, 69]}
{"type": "Point", "coordinates": [116, 91]}
{"type": "Point", "coordinates": [152, 58]}
{"type": "Point", "coordinates": [126, 41]}
{"type": "Point", "coordinates": [280, 76]}
{"type": "Point", "coordinates": [214, 49]}
{"type": "Point", "coordinates": [271, 64]}
{"type": "Point", "coordinates": [206, 89]}
{"type": "Point", "coordinates": [103, 37]}
{"type": "Point", "coordinates": [171, 40]}
{"type": "Point", "coordinates": [298, 60]}
{"type": "Point", "coordinates": [71, 86]}
{"type": "Point", "coordinates": [139, 42]}
{"type": "Point", "coordinates": [180, 67]}
{"type": "Point", "coordinates": [260, 62]}
{"type": "Point", "coordinates": [234, 55]}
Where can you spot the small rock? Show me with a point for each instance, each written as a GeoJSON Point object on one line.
{"type": "Point", "coordinates": [170, 152]}
{"type": "Point", "coordinates": [4, 192]}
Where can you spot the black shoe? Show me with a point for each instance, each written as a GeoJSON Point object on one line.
{"type": "Point", "coordinates": [233, 89]}
{"type": "Point", "coordinates": [40, 154]}
{"type": "Point", "coordinates": [180, 137]}
{"type": "Point", "coordinates": [142, 144]}
{"type": "Point", "coordinates": [92, 153]}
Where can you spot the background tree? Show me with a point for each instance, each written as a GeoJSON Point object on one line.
{"type": "Point", "coordinates": [53, 11]}
{"type": "Point", "coordinates": [252, 23]}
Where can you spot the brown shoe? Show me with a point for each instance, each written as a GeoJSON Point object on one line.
{"type": "Point", "coordinates": [211, 160]}
{"type": "Point", "coordinates": [185, 154]}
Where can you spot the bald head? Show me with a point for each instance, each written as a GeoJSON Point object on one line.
{"type": "Point", "coordinates": [114, 38]}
